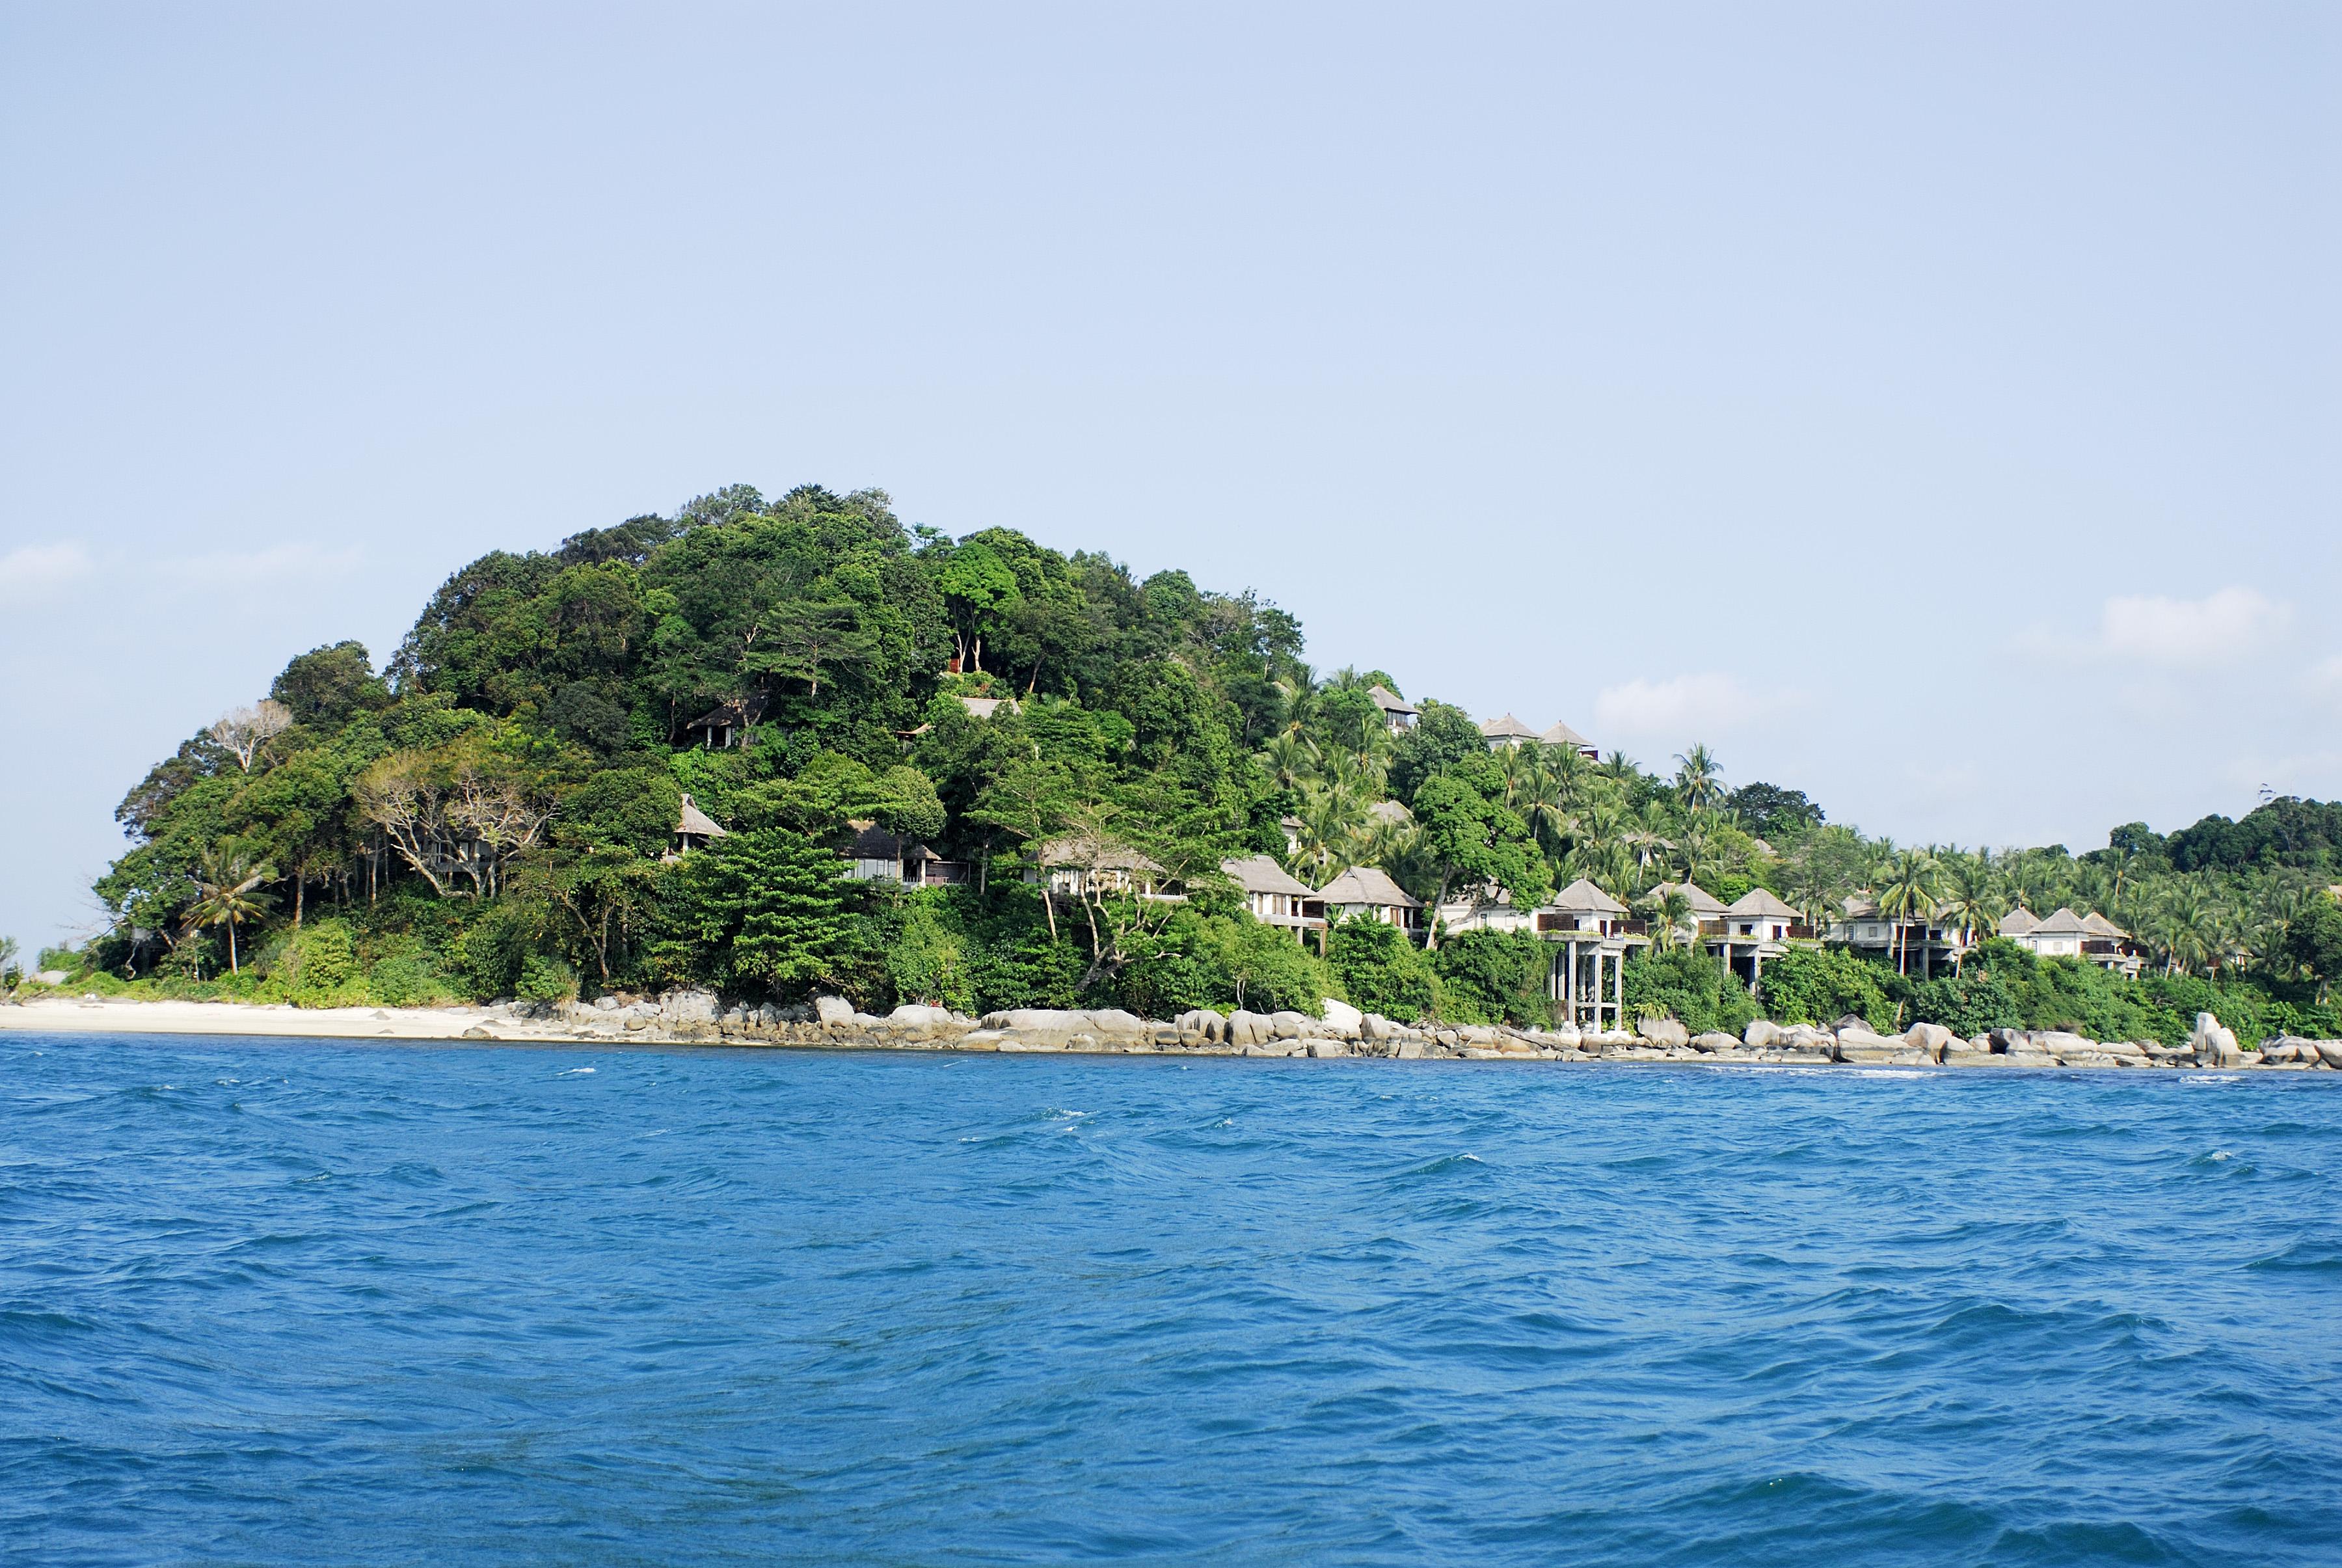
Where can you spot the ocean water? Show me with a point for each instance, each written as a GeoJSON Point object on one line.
{"type": "Point", "coordinates": [271, 1301]}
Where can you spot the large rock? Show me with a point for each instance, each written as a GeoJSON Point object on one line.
{"type": "Point", "coordinates": [834, 1011]}
{"type": "Point", "coordinates": [1342, 1017]}
{"type": "Point", "coordinates": [914, 1021]}
{"type": "Point", "coordinates": [1663, 1031]}
{"type": "Point", "coordinates": [1113, 1023]}
{"type": "Point", "coordinates": [1930, 1038]}
{"type": "Point", "coordinates": [1715, 1040]}
{"type": "Point", "coordinates": [690, 1006]}
{"type": "Point", "coordinates": [2008, 1042]}
{"type": "Point", "coordinates": [1761, 1034]}
{"type": "Point", "coordinates": [1862, 1045]}
{"type": "Point", "coordinates": [1329, 1047]}
{"type": "Point", "coordinates": [1565, 1037]}
{"type": "Point", "coordinates": [1287, 1024]}
{"type": "Point", "coordinates": [2063, 1042]}
{"type": "Point", "coordinates": [2329, 1051]}
{"type": "Point", "coordinates": [1249, 1028]}
{"type": "Point", "coordinates": [2215, 1045]}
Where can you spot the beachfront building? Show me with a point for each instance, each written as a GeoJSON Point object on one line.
{"type": "Point", "coordinates": [2091, 937]}
{"type": "Point", "coordinates": [1919, 943]}
{"type": "Point", "coordinates": [1705, 911]}
{"type": "Point", "coordinates": [1563, 735]}
{"type": "Point", "coordinates": [1077, 865]}
{"type": "Point", "coordinates": [693, 829]}
{"type": "Point", "coordinates": [1275, 896]}
{"type": "Point", "coordinates": [1369, 892]}
{"type": "Point", "coordinates": [1755, 926]}
{"type": "Point", "coordinates": [1396, 715]}
{"type": "Point", "coordinates": [874, 855]}
{"type": "Point", "coordinates": [1485, 908]}
{"type": "Point", "coordinates": [1589, 931]}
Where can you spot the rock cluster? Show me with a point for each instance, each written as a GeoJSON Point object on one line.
{"type": "Point", "coordinates": [1343, 1031]}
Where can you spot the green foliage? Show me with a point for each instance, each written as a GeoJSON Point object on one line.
{"type": "Point", "coordinates": [1691, 986]}
{"type": "Point", "coordinates": [1822, 985]}
{"type": "Point", "coordinates": [1381, 971]}
{"type": "Point", "coordinates": [1261, 967]}
{"type": "Point", "coordinates": [761, 909]}
{"type": "Point", "coordinates": [1968, 1004]}
{"type": "Point", "coordinates": [1443, 735]}
{"type": "Point", "coordinates": [548, 980]}
{"type": "Point", "coordinates": [1495, 977]}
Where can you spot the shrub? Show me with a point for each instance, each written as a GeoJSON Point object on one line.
{"type": "Point", "coordinates": [548, 980]}
{"type": "Point", "coordinates": [1495, 977]}
{"type": "Point", "coordinates": [1691, 986]}
{"type": "Point", "coordinates": [1821, 985]}
{"type": "Point", "coordinates": [1380, 970]}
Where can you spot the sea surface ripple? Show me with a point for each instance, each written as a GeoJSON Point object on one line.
{"type": "Point", "coordinates": [270, 1302]}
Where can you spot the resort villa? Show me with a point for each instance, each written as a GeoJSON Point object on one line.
{"type": "Point", "coordinates": [1396, 715]}
{"type": "Point", "coordinates": [1505, 733]}
{"type": "Point", "coordinates": [2091, 937]}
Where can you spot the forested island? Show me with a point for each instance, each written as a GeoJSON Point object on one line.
{"type": "Point", "coordinates": [771, 748]}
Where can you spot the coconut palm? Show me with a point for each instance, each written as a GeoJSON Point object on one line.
{"type": "Point", "coordinates": [1670, 914]}
{"type": "Point", "coordinates": [1645, 833]}
{"type": "Point", "coordinates": [1699, 783]}
{"type": "Point", "coordinates": [224, 897]}
{"type": "Point", "coordinates": [1972, 901]}
{"type": "Point", "coordinates": [1909, 885]}
{"type": "Point", "coordinates": [1291, 760]}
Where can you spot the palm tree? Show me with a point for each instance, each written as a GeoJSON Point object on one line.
{"type": "Point", "coordinates": [1909, 887]}
{"type": "Point", "coordinates": [1699, 784]}
{"type": "Point", "coordinates": [1646, 835]}
{"type": "Point", "coordinates": [224, 897]}
{"type": "Point", "coordinates": [1670, 913]}
{"type": "Point", "coordinates": [1291, 760]}
{"type": "Point", "coordinates": [1972, 899]}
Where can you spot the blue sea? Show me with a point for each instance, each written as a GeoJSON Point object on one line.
{"type": "Point", "coordinates": [313, 1303]}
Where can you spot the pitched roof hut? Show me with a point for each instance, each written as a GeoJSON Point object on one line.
{"type": "Point", "coordinates": [1505, 731]}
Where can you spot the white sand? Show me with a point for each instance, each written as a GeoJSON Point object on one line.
{"type": "Point", "coordinates": [63, 1015]}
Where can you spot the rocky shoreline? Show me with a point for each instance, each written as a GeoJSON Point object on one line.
{"type": "Point", "coordinates": [692, 1017]}
{"type": "Point", "coordinates": [1345, 1032]}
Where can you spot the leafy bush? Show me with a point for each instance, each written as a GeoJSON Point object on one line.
{"type": "Point", "coordinates": [1380, 970]}
{"type": "Point", "coordinates": [405, 980]}
{"type": "Point", "coordinates": [1821, 985]}
{"type": "Point", "coordinates": [1966, 1004]}
{"type": "Point", "coordinates": [1263, 969]}
{"type": "Point", "coordinates": [1495, 977]}
{"type": "Point", "coordinates": [549, 980]}
{"type": "Point", "coordinates": [1691, 986]}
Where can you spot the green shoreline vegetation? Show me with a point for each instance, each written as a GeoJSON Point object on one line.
{"type": "Point", "coordinates": [495, 814]}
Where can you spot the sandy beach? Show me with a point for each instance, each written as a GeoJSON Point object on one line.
{"type": "Point", "coordinates": [98, 1015]}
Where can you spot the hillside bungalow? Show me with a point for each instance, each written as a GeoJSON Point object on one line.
{"type": "Point", "coordinates": [1482, 909]}
{"type": "Point", "coordinates": [1397, 714]}
{"type": "Point", "coordinates": [1755, 926]}
{"type": "Point", "coordinates": [727, 724]}
{"type": "Point", "coordinates": [1504, 734]}
{"type": "Point", "coordinates": [985, 707]}
{"type": "Point", "coordinates": [1368, 890]}
{"type": "Point", "coordinates": [1864, 926]}
{"type": "Point", "coordinates": [693, 829]}
{"type": "Point", "coordinates": [1706, 908]}
{"type": "Point", "coordinates": [877, 856]}
{"type": "Point", "coordinates": [1590, 929]}
{"type": "Point", "coordinates": [2092, 938]}
{"type": "Point", "coordinates": [1077, 865]}
{"type": "Point", "coordinates": [1275, 896]}
{"type": "Point", "coordinates": [1563, 735]}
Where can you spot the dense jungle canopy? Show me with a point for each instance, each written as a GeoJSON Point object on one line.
{"type": "Point", "coordinates": [493, 811]}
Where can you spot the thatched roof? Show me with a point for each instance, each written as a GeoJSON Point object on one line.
{"type": "Point", "coordinates": [985, 707]}
{"type": "Point", "coordinates": [2017, 922]}
{"type": "Point", "coordinates": [1390, 811]}
{"type": "Point", "coordinates": [1368, 885]}
{"type": "Point", "coordinates": [694, 820]}
{"type": "Point", "coordinates": [1563, 735]}
{"type": "Point", "coordinates": [1583, 898]}
{"type": "Point", "coordinates": [1389, 701]}
{"type": "Point", "coordinates": [737, 715]}
{"type": "Point", "coordinates": [1259, 874]}
{"type": "Point", "coordinates": [1079, 852]}
{"type": "Point", "coordinates": [1702, 901]}
{"type": "Point", "coordinates": [1507, 729]}
{"type": "Point", "coordinates": [1760, 904]}
{"type": "Point", "coordinates": [2097, 925]}
{"type": "Point", "coordinates": [2064, 923]}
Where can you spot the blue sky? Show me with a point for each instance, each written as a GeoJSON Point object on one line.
{"type": "Point", "coordinates": [1931, 408]}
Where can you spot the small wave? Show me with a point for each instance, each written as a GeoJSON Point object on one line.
{"type": "Point", "coordinates": [2197, 1080]}
{"type": "Point", "coordinates": [573, 1070]}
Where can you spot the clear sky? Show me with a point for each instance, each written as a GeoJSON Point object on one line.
{"type": "Point", "coordinates": [1933, 408]}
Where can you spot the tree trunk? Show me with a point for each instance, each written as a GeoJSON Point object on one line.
{"type": "Point", "coordinates": [297, 880]}
{"type": "Point", "coordinates": [232, 968]}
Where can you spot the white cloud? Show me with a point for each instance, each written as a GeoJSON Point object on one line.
{"type": "Point", "coordinates": [2217, 628]}
{"type": "Point", "coordinates": [30, 570]}
{"type": "Point", "coordinates": [272, 563]}
{"type": "Point", "coordinates": [1683, 707]}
